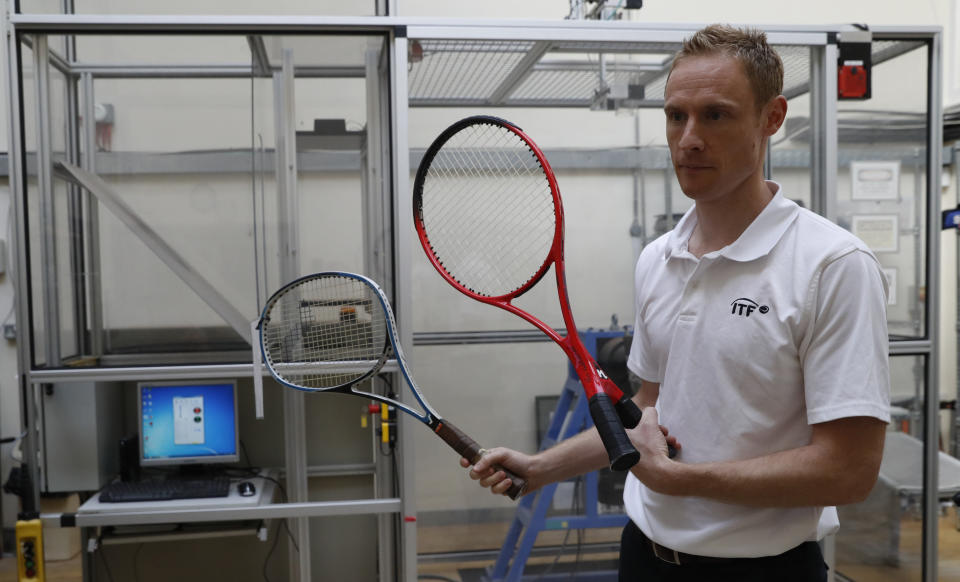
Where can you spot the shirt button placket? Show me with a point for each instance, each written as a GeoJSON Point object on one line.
{"type": "Point", "coordinates": [690, 302]}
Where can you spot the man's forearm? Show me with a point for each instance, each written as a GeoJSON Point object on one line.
{"type": "Point", "coordinates": [777, 480]}
{"type": "Point", "coordinates": [569, 458]}
{"type": "Point", "coordinates": [834, 469]}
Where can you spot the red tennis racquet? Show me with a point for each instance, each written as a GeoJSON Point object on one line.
{"type": "Point", "coordinates": [488, 213]}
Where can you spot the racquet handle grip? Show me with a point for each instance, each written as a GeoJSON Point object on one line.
{"type": "Point", "coordinates": [468, 448]}
{"type": "Point", "coordinates": [614, 437]}
{"type": "Point", "coordinates": [628, 411]}
{"type": "Point", "coordinates": [630, 415]}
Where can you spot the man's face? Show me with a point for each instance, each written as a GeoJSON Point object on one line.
{"type": "Point", "coordinates": [714, 129]}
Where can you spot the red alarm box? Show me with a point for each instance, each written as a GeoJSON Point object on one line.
{"type": "Point", "coordinates": [852, 80]}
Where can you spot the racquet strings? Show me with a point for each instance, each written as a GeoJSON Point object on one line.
{"type": "Point", "coordinates": [488, 210]}
{"type": "Point", "coordinates": [325, 332]}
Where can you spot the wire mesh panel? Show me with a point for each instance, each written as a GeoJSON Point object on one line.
{"type": "Point", "coordinates": [884, 50]}
{"type": "Point", "coordinates": [572, 85]}
{"type": "Point", "coordinates": [458, 70]}
{"type": "Point", "coordinates": [566, 74]}
{"type": "Point", "coordinates": [558, 85]}
{"type": "Point", "coordinates": [655, 48]}
{"type": "Point", "coordinates": [796, 69]}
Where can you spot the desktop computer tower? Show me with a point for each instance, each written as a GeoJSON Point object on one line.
{"type": "Point", "coordinates": [82, 423]}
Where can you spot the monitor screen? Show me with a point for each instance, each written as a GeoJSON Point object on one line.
{"type": "Point", "coordinates": [188, 422]}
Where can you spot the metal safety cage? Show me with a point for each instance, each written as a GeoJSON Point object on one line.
{"type": "Point", "coordinates": [603, 66]}
{"type": "Point", "coordinates": [476, 63]}
{"type": "Point", "coordinates": [383, 169]}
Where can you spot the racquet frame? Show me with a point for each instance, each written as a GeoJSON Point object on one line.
{"type": "Point", "coordinates": [610, 409]}
{"type": "Point", "coordinates": [465, 446]}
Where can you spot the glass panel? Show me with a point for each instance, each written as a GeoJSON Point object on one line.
{"type": "Point", "coordinates": [637, 187]}
{"type": "Point", "coordinates": [882, 198]}
{"type": "Point", "coordinates": [790, 158]}
{"type": "Point", "coordinates": [58, 275]}
{"type": "Point", "coordinates": [68, 277]}
{"type": "Point", "coordinates": [204, 7]}
{"type": "Point", "coordinates": [159, 50]}
{"type": "Point", "coordinates": [459, 532]}
{"type": "Point", "coordinates": [187, 237]}
{"type": "Point", "coordinates": [619, 193]}
{"type": "Point", "coordinates": [28, 88]}
{"type": "Point", "coordinates": [41, 6]}
{"type": "Point", "coordinates": [618, 190]}
{"type": "Point", "coordinates": [68, 270]}
{"type": "Point", "coordinates": [331, 225]}
{"type": "Point", "coordinates": [881, 190]}
{"type": "Point", "coordinates": [880, 538]}
{"type": "Point", "coordinates": [185, 192]}
{"type": "Point", "coordinates": [177, 155]}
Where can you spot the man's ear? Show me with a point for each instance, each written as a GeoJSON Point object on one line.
{"type": "Point", "coordinates": [774, 114]}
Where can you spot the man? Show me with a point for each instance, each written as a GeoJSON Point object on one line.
{"type": "Point", "coordinates": [760, 339]}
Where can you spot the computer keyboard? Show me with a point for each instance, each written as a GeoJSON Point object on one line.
{"type": "Point", "coordinates": [122, 491]}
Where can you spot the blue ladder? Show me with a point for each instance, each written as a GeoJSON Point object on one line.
{"type": "Point", "coordinates": [570, 417]}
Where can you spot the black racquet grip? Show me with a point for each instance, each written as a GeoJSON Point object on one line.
{"type": "Point", "coordinates": [630, 415]}
{"type": "Point", "coordinates": [615, 439]}
{"type": "Point", "coordinates": [628, 411]}
{"type": "Point", "coordinates": [468, 448]}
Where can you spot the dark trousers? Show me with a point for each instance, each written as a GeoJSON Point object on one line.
{"type": "Point", "coordinates": [638, 563]}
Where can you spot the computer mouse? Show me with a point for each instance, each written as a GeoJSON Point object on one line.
{"type": "Point", "coordinates": [246, 489]}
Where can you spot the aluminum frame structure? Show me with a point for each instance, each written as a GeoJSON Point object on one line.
{"type": "Point", "coordinates": [541, 42]}
{"type": "Point", "coordinates": [387, 506]}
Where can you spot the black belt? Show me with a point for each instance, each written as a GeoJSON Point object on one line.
{"type": "Point", "coordinates": [672, 556]}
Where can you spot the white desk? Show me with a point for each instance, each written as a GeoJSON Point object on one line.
{"type": "Point", "coordinates": [234, 506]}
{"type": "Point", "coordinates": [136, 519]}
{"type": "Point", "coordinates": [175, 519]}
{"type": "Point", "coordinates": [264, 493]}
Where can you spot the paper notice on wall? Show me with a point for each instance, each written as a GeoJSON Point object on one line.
{"type": "Point", "coordinates": [880, 232]}
{"type": "Point", "coordinates": [875, 180]}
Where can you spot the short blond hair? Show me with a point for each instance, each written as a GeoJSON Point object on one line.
{"type": "Point", "coordinates": [762, 64]}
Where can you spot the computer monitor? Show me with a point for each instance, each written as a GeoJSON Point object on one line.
{"type": "Point", "coordinates": [183, 423]}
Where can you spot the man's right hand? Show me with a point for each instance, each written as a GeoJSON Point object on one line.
{"type": "Point", "coordinates": [496, 480]}
{"type": "Point", "coordinates": [567, 459]}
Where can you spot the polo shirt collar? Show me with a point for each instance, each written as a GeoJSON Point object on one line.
{"type": "Point", "coordinates": [756, 241]}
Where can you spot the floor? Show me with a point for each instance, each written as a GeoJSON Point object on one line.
{"type": "Point", "coordinates": [457, 538]}
{"type": "Point", "coordinates": [910, 565]}
{"type": "Point", "coordinates": [448, 539]}
{"type": "Point", "coordinates": [453, 538]}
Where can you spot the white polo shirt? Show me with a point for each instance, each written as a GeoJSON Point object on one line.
{"type": "Point", "coordinates": [752, 344]}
